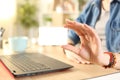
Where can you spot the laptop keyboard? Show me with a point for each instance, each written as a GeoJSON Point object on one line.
{"type": "Point", "coordinates": [25, 64]}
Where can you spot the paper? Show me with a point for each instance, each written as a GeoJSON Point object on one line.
{"type": "Point", "coordinates": [53, 35]}
{"type": "Point", "coordinates": [113, 76]}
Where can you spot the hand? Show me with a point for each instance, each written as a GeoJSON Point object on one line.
{"type": "Point", "coordinates": [72, 56]}
{"type": "Point", "coordinates": [90, 48]}
{"type": "Point", "coordinates": [75, 57]}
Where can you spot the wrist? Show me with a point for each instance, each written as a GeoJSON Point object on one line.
{"type": "Point", "coordinates": [109, 63]}
{"type": "Point", "coordinates": [104, 59]}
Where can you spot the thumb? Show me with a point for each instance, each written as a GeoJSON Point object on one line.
{"type": "Point", "coordinates": [71, 48]}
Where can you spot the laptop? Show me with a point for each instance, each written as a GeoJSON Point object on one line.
{"type": "Point", "coordinates": [27, 64]}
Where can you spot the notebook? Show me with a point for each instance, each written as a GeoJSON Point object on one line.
{"type": "Point", "coordinates": [27, 64]}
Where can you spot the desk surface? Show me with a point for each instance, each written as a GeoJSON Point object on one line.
{"type": "Point", "coordinates": [78, 72]}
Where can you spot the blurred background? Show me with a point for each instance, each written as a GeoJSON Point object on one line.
{"type": "Point", "coordinates": [27, 17]}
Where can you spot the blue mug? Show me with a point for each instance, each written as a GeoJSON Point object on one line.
{"type": "Point", "coordinates": [18, 44]}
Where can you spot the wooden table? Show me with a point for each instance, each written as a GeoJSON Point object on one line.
{"type": "Point", "coordinates": [78, 72]}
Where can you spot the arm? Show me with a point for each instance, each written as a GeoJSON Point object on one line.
{"type": "Point", "coordinates": [116, 58]}
{"type": "Point", "coordinates": [84, 17]}
{"type": "Point", "coordinates": [90, 48]}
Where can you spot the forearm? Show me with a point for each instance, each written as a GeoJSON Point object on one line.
{"type": "Point", "coordinates": [105, 60]}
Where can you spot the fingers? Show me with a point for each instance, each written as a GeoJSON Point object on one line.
{"type": "Point", "coordinates": [91, 32]}
{"type": "Point", "coordinates": [79, 27]}
{"type": "Point", "coordinates": [69, 22]}
{"type": "Point", "coordinates": [71, 48]}
{"type": "Point", "coordinates": [78, 51]}
{"type": "Point", "coordinates": [76, 58]}
{"type": "Point", "coordinates": [75, 26]}
{"type": "Point", "coordinates": [70, 56]}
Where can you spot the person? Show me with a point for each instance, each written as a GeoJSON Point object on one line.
{"type": "Point", "coordinates": [97, 29]}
